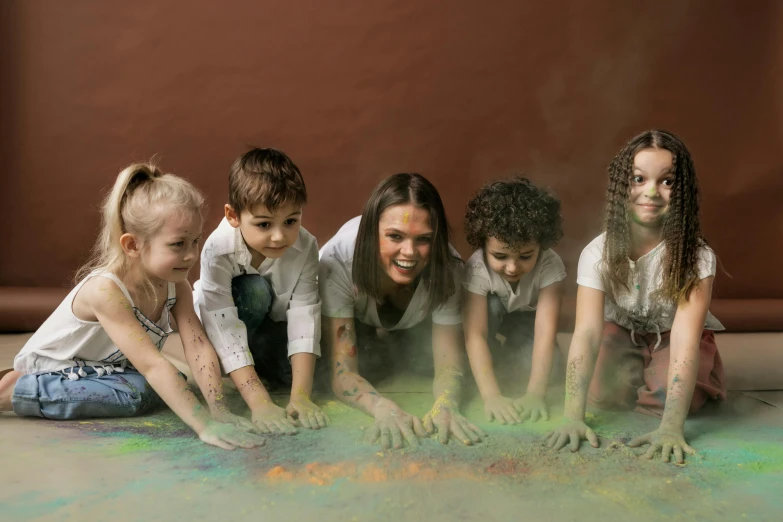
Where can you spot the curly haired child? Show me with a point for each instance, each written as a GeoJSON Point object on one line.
{"type": "Point", "coordinates": [644, 335]}
{"type": "Point", "coordinates": [513, 285]}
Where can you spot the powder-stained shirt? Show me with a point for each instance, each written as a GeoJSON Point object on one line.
{"type": "Point", "coordinates": [341, 299]}
{"type": "Point", "coordinates": [293, 277]}
{"type": "Point", "coordinates": [480, 279]}
{"type": "Point", "coordinates": [635, 308]}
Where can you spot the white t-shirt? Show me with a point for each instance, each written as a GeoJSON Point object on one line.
{"type": "Point", "coordinates": [293, 277]}
{"type": "Point", "coordinates": [340, 298]}
{"type": "Point", "coordinates": [482, 280]}
{"type": "Point", "coordinates": [635, 309]}
{"type": "Point", "coordinates": [65, 341]}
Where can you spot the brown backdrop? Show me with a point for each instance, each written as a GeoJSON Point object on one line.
{"type": "Point", "coordinates": [460, 91]}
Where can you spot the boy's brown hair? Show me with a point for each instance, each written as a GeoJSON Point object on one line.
{"type": "Point", "coordinates": [265, 177]}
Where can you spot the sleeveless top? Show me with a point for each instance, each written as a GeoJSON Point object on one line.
{"type": "Point", "coordinates": [65, 341]}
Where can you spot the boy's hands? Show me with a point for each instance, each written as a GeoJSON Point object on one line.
{"type": "Point", "coordinates": [533, 407]}
{"type": "Point", "coordinates": [573, 431]}
{"type": "Point", "coordinates": [671, 443]}
{"type": "Point", "coordinates": [229, 437]}
{"type": "Point", "coordinates": [305, 412]}
{"type": "Point", "coordinates": [273, 419]}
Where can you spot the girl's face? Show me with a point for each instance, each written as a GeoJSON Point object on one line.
{"type": "Point", "coordinates": [511, 264]}
{"type": "Point", "coordinates": [405, 242]}
{"type": "Point", "coordinates": [173, 250]}
{"type": "Point", "coordinates": [651, 187]}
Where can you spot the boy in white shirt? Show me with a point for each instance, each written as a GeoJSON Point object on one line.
{"type": "Point", "coordinates": [258, 293]}
{"type": "Point", "coordinates": [513, 287]}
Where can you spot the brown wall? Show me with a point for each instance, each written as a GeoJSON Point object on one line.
{"type": "Point", "coordinates": [460, 91]}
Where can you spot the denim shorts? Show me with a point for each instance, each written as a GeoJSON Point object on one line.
{"type": "Point", "coordinates": [54, 395]}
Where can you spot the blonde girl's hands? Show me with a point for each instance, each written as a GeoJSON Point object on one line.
{"type": "Point", "coordinates": [223, 415]}
{"type": "Point", "coordinates": [229, 437]}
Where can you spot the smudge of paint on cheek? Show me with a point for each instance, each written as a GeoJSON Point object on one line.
{"type": "Point", "coordinates": [352, 351]}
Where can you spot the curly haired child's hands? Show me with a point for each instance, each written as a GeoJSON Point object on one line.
{"type": "Point", "coordinates": [229, 437]}
{"type": "Point", "coordinates": [273, 419]}
{"type": "Point", "coordinates": [502, 409]}
{"type": "Point", "coordinates": [573, 431]}
{"type": "Point", "coordinates": [532, 407]}
{"type": "Point", "coordinates": [671, 443]}
{"type": "Point", "coordinates": [306, 413]}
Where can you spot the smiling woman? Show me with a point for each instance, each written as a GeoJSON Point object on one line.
{"type": "Point", "coordinates": [389, 283]}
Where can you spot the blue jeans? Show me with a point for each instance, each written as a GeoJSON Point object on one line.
{"type": "Point", "coordinates": [55, 396]}
{"type": "Point", "coordinates": [267, 339]}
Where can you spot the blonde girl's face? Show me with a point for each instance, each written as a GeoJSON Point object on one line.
{"type": "Point", "coordinates": [511, 264]}
{"type": "Point", "coordinates": [651, 187]}
{"type": "Point", "coordinates": [173, 250]}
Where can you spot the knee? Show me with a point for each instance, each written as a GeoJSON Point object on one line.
{"type": "Point", "coordinates": [252, 291]}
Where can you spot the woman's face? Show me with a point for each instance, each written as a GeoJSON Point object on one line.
{"type": "Point", "coordinates": [405, 245]}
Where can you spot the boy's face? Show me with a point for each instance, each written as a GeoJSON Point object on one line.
{"type": "Point", "coordinates": [510, 264]}
{"type": "Point", "coordinates": [267, 234]}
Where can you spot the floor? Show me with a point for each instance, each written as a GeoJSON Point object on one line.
{"type": "Point", "coordinates": [152, 468]}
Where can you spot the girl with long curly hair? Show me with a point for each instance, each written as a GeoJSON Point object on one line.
{"type": "Point", "coordinates": [513, 294]}
{"type": "Point", "coordinates": [644, 334]}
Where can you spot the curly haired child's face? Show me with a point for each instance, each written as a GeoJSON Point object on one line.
{"type": "Point", "coordinates": [651, 187]}
{"type": "Point", "coordinates": [511, 264]}
{"type": "Point", "coordinates": [267, 233]}
{"type": "Point", "coordinates": [405, 242]}
{"type": "Point", "coordinates": [173, 250]}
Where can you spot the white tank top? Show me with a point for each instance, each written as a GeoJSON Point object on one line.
{"type": "Point", "coordinates": [65, 341]}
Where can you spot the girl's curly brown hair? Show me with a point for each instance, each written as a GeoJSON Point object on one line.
{"type": "Point", "coordinates": [515, 212]}
{"type": "Point", "coordinates": [681, 229]}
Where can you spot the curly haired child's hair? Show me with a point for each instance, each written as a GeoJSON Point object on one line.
{"type": "Point", "coordinates": [515, 212]}
{"type": "Point", "coordinates": [681, 230]}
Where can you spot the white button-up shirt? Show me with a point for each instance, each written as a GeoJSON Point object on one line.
{"type": "Point", "coordinates": [293, 277]}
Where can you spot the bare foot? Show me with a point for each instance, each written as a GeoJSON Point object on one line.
{"type": "Point", "coordinates": [7, 384]}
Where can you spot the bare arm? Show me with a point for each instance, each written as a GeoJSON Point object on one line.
{"type": "Point", "coordinates": [684, 345]}
{"type": "Point", "coordinates": [116, 317]}
{"type": "Point", "coordinates": [474, 313]}
{"type": "Point", "coordinates": [545, 340]}
{"type": "Point", "coordinates": [339, 341]}
{"type": "Point", "coordinates": [584, 350]}
{"type": "Point", "coordinates": [686, 332]}
{"type": "Point", "coordinates": [199, 353]}
{"type": "Point", "coordinates": [579, 371]}
{"type": "Point", "coordinates": [444, 417]}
